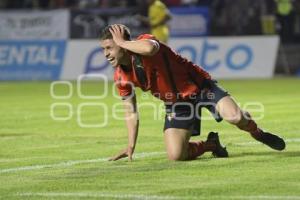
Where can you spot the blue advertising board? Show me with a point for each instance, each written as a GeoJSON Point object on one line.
{"type": "Point", "coordinates": [31, 60]}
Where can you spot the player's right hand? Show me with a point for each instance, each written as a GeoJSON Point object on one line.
{"type": "Point", "coordinates": [123, 154]}
{"type": "Point", "coordinates": [117, 32]}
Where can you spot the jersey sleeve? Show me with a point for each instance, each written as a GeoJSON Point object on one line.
{"type": "Point", "coordinates": [125, 89]}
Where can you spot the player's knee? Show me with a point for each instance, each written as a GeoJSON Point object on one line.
{"type": "Point", "coordinates": [234, 117]}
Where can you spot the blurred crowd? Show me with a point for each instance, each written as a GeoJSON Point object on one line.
{"type": "Point", "coordinates": [82, 4]}
{"type": "Point", "coordinates": [228, 17]}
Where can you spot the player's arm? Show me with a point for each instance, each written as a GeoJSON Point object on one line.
{"type": "Point", "coordinates": [145, 20]}
{"type": "Point", "coordinates": [145, 47]}
{"type": "Point", "coordinates": [132, 122]}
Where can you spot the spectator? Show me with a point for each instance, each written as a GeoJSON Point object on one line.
{"type": "Point", "coordinates": [286, 19]}
{"type": "Point", "coordinates": [158, 16]}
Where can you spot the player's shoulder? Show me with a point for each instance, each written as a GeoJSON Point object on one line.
{"type": "Point", "coordinates": [146, 36]}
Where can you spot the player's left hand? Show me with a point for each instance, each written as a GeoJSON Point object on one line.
{"type": "Point", "coordinates": [123, 154]}
{"type": "Point", "coordinates": [118, 34]}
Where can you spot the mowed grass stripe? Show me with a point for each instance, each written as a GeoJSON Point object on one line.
{"type": "Point", "coordinates": [149, 196]}
{"type": "Point", "coordinates": [253, 170]}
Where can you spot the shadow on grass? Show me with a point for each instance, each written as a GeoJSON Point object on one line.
{"type": "Point", "coordinates": [267, 153]}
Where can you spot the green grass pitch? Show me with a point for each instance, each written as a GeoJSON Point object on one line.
{"type": "Point", "coordinates": [42, 158]}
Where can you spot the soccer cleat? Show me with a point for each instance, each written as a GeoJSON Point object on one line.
{"type": "Point", "coordinates": [220, 151]}
{"type": "Point", "coordinates": [272, 141]}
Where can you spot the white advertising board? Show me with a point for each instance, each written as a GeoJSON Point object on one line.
{"type": "Point", "coordinates": [222, 57]}
{"type": "Point", "coordinates": [85, 57]}
{"type": "Point", "coordinates": [34, 25]}
{"type": "Point", "coordinates": [231, 57]}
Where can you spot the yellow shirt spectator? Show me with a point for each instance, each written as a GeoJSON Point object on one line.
{"type": "Point", "coordinates": [158, 15]}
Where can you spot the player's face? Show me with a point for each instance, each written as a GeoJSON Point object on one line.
{"type": "Point", "coordinates": [113, 53]}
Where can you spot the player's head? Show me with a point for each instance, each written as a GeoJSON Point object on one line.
{"type": "Point", "coordinates": [113, 53]}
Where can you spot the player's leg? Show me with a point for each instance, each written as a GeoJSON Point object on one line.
{"type": "Point", "coordinates": [176, 142]}
{"type": "Point", "coordinates": [179, 147]}
{"type": "Point", "coordinates": [232, 113]}
{"type": "Point", "coordinates": [180, 121]}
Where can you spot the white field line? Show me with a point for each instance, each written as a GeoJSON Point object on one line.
{"type": "Point", "coordinates": [103, 195]}
{"type": "Point", "coordinates": [150, 197]}
{"type": "Point", "coordinates": [295, 140]}
{"type": "Point", "coordinates": [72, 162]}
{"type": "Point", "coordinates": [138, 155]}
{"type": "Point", "coordinates": [272, 197]}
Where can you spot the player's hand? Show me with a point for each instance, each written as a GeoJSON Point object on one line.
{"type": "Point", "coordinates": [118, 34]}
{"type": "Point", "coordinates": [123, 154]}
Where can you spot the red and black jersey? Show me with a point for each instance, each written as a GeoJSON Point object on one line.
{"type": "Point", "coordinates": [166, 74]}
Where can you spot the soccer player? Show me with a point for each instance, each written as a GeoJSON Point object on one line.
{"type": "Point", "coordinates": [183, 86]}
{"type": "Point", "coordinates": [158, 16]}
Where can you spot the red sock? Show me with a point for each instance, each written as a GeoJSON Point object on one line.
{"type": "Point", "coordinates": [252, 128]}
{"type": "Point", "coordinates": [196, 149]}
